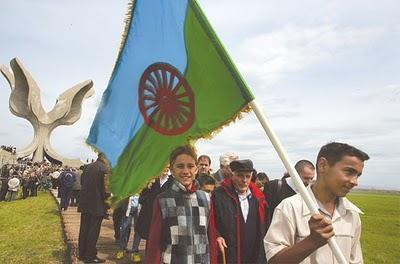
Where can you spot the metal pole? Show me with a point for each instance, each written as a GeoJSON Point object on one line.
{"type": "Point", "coordinates": [294, 175]}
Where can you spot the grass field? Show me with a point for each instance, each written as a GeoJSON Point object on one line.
{"type": "Point", "coordinates": [31, 232]}
{"type": "Point", "coordinates": [380, 238]}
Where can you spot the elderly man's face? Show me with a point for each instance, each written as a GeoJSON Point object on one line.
{"type": "Point", "coordinates": [241, 180]}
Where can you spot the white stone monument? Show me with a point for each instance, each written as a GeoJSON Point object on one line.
{"type": "Point", "coordinates": [25, 102]}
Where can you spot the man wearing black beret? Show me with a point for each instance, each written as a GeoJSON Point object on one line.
{"type": "Point", "coordinates": [238, 218]}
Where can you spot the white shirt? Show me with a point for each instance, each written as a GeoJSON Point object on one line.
{"type": "Point", "coordinates": [290, 225]}
{"type": "Point", "coordinates": [244, 203]}
{"type": "Point", "coordinates": [132, 204]}
{"type": "Point", "coordinates": [13, 184]}
{"type": "Point", "coordinates": [163, 180]}
{"type": "Point", "coordinates": [55, 174]}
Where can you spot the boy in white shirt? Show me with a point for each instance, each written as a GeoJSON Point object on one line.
{"type": "Point", "coordinates": [296, 236]}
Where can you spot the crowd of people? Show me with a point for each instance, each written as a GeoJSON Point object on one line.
{"type": "Point", "coordinates": [189, 214]}
{"type": "Point", "coordinates": [25, 178]}
{"type": "Point", "coordinates": [11, 149]}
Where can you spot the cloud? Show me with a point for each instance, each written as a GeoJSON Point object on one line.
{"type": "Point", "coordinates": [294, 48]}
{"type": "Point", "coordinates": [388, 95]}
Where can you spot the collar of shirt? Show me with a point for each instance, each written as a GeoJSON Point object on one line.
{"type": "Point", "coordinates": [244, 196]}
{"type": "Point", "coordinates": [244, 203]}
{"type": "Point", "coordinates": [342, 206]}
{"type": "Point", "coordinates": [183, 188]}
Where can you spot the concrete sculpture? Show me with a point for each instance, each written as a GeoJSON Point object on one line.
{"type": "Point", "coordinates": [25, 102]}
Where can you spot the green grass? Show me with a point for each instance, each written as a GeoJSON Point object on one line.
{"type": "Point", "coordinates": [31, 231]}
{"type": "Point", "coordinates": [380, 237]}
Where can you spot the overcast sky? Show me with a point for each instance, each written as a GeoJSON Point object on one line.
{"type": "Point", "coordinates": [321, 70]}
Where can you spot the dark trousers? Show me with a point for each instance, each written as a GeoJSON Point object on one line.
{"type": "Point", "coordinates": [65, 197]}
{"type": "Point", "coordinates": [88, 234]}
{"type": "Point", "coordinates": [75, 197]}
{"type": "Point", "coordinates": [25, 192]}
{"type": "Point", "coordinates": [118, 215]}
{"type": "Point", "coordinates": [34, 188]}
{"type": "Point", "coordinates": [3, 191]}
{"type": "Point", "coordinates": [54, 183]}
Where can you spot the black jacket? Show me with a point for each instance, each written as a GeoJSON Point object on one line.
{"type": "Point", "coordinates": [275, 192]}
{"type": "Point", "coordinates": [226, 219]}
{"type": "Point", "coordinates": [93, 195]}
{"type": "Point", "coordinates": [146, 200]}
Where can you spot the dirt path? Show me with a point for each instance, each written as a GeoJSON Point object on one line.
{"type": "Point", "coordinates": [106, 245]}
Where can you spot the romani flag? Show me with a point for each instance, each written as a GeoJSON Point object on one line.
{"type": "Point", "coordinates": [173, 83]}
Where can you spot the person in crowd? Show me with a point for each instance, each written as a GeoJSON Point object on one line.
{"type": "Point", "coordinates": [54, 178]}
{"type": "Point", "coordinates": [224, 170]}
{"type": "Point", "coordinates": [34, 182]}
{"type": "Point", "coordinates": [11, 149]}
{"type": "Point", "coordinates": [179, 224]}
{"type": "Point", "coordinates": [26, 184]}
{"type": "Point", "coordinates": [11, 171]}
{"type": "Point", "coordinates": [295, 235]}
{"type": "Point", "coordinates": [117, 216]}
{"type": "Point", "coordinates": [261, 181]}
{"type": "Point", "coordinates": [204, 173]}
{"type": "Point", "coordinates": [45, 180]}
{"type": "Point", "coordinates": [13, 185]}
{"type": "Point", "coordinates": [131, 212]}
{"type": "Point", "coordinates": [15, 171]}
{"type": "Point", "coordinates": [66, 180]}
{"type": "Point", "coordinates": [277, 190]}
{"type": "Point", "coordinates": [76, 187]}
{"type": "Point", "coordinates": [93, 209]}
{"type": "Point", "coordinates": [1, 183]}
{"type": "Point", "coordinates": [5, 171]}
{"type": "Point", "coordinates": [146, 200]}
{"type": "Point", "coordinates": [5, 174]}
{"type": "Point", "coordinates": [204, 164]}
{"type": "Point", "coordinates": [239, 218]}
{"type": "Point", "coordinates": [207, 182]}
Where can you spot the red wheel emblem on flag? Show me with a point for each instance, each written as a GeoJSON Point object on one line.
{"type": "Point", "coordinates": [166, 100]}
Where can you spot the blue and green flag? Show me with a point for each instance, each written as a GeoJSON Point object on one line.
{"type": "Point", "coordinates": [173, 83]}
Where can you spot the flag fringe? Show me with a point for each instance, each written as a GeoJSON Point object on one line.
{"type": "Point", "coordinates": [127, 21]}
{"type": "Point", "coordinates": [125, 32]}
{"type": "Point", "coordinates": [239, 115]}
